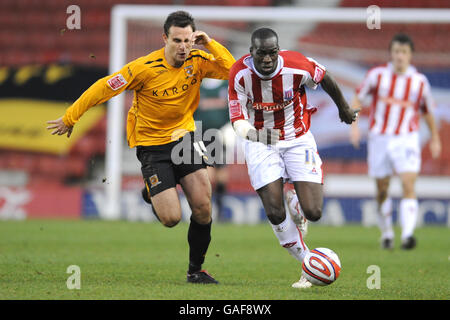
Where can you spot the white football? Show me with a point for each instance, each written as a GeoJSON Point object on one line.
{"type": "Point", "coordinates": [321, 266]}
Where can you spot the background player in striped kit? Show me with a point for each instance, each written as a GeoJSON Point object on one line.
{"type": "Point", "coordinates": [396, 93]}
{"type": "Point", "coordinates": [271, 116]}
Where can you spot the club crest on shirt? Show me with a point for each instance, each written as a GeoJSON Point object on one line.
{"type": "Point", "coordinates": [189, 70]}
{"type": "Point", "coordinates": [288, 94]}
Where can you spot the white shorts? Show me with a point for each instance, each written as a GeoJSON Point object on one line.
{"type": "Point", "coordinates": [295, 160]}
{"type": "Point", "coordinates": [387, 155]}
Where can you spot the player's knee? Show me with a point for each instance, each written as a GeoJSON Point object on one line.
{"type": "Point", "coordinates": [382, 195]}
{"type": "Point", "coordinates": [169, 219]}
{"type": "Point", "coordinates": [409, 193]}
{"type": "Point", "coordinates": [202, 212]}
{"type": "Point", "coordinates": [382, 191]}
{"type": "Point", "coordinates": [313, 214]}
{"type": "Point", "coordinates": [408, 190]}
{"type": "Point", "coordinates": [276, 214]}
{"type": "Point", "coordinates": [170, 222]}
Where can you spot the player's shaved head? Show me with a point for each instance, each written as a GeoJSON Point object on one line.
{"type": "Point", "coordinates": [263, 34]}
{"type": "Point", "coordinates": [264, 50]}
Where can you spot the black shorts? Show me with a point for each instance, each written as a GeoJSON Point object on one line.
{"type": "Point", "coordinates": [163, 166]}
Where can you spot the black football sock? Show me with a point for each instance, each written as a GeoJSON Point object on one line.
{"type": "Point", "coordinates": [199, 237]}
{"type": "Point", "coordinates": [221, 189]}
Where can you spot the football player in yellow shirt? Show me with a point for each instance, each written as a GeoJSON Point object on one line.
{"type": "Point", "coordinates": [166, 86]}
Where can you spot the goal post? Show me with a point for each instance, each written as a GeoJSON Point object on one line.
{"type": "Point", "coordinates": [121, 15]}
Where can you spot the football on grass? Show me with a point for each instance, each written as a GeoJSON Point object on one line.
{"type": "Point", "coordinates": [321, 266]}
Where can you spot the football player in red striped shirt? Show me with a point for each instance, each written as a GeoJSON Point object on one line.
{"type": "Point", "coordinates": [270, 114]}
{"type": "Point", "coordinates": [397, 94]}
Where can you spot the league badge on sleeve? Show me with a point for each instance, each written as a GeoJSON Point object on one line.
{"type": "Point", "coordinates": [117, 82]}
{"type": "Point", "coordinates": [318, 74]}
{"type": "Point", "coordinates": [235, 109]}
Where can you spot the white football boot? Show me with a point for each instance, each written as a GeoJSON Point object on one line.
{"type": "Point", "coordinates": [296, 212]}
{"type": "Point", "coordinates": [302, 283]}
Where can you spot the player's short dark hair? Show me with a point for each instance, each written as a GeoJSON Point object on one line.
{"type": "Point", "coordinates": [180, 19]}
{"type": "Point", "coordinates": [402, 38]}
{"type": "Point", "coordinates": [264, 33]}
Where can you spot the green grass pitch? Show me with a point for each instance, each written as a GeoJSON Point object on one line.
{"type": "Point", "coordinates": [130, 260]}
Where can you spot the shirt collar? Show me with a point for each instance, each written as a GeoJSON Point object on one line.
{"type": "Point", "coordinates": [410, 70]}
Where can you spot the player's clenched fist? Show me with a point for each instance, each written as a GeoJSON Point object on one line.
{"type": "Point", "coordinates": [348, 115]}
{"type": "Point", "coordinates": [59, 127]}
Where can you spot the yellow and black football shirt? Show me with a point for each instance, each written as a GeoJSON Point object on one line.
{"type": "Point", "coordinates": [165, 97]}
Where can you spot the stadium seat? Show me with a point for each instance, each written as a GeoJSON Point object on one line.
{"type": "Point", "coordinates": [444, 168]}
{"type": "Point", "coordinates": [40, 20]}
{"type": "Point", "coordinates": [332, 167]}
{"type": "Point", "coordinates": [97, 18]}
{"type": "Point", "coordinates": [76, 167]}
{"type": "Point", "coordinates": [85, 147]}
{"type": "Point", "coordinates": [41, 180]}
{"type": "Point", "coordinates": [398, 3]}
{"type": "Point", "coordinates": [53, 166]}
{"type": "Point", "coordinates": [352, 36]}
{"type": "Point", "coordinates": [239, 180]}
{"type": "Point", "coordinates": [429, 167]}
{"type": "Point", "coordinates": [355, 167]}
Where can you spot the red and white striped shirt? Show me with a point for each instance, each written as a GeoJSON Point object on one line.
{"type": "Point", "coordinates": [395, 99]}
{"type": "Point", "coordinates": [277, 101]}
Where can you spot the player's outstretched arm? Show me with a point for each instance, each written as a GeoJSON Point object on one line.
{"type": "Point", "coordinates": [91, 97]}
{"type": "Point", "coordinates": [346, 113]}
{"type": "Point", "coordinates": [99, 92]}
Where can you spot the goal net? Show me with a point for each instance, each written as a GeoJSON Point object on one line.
{"type": "Point", "coordinates": [348, 41]}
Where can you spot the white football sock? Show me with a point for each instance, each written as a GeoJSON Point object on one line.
{"type": "Point", "coordinates": [409, 211]}
{"type": "Point", "coordinates": [290, 238]}
{"type": "Point", "coordinates": [295, 209]}
{"type": "Point", "coordinates": [385, 219]}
